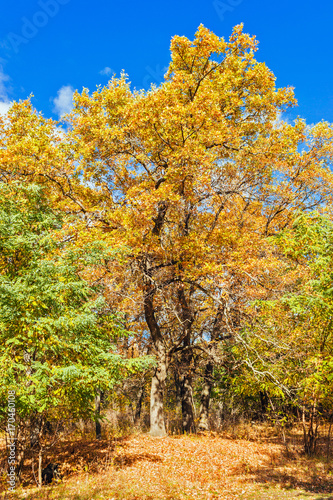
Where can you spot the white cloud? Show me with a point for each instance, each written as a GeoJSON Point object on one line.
{"type": "Point", "coordinates": [106, 71]}
{"type": "Point", "coordinates": [3, 78]}
{"type": "Point", "coordinates": [5, 103]}
{"type": "Point", "coordinates": [60, 131]}
{"type": "Point", "coordinates": [280, 120]}
{"type": "Point", "coordinates": [4, 107]}
{"type": "Point", "coordinates": [63, 103]}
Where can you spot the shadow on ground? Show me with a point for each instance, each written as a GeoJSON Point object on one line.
{"type": "Point", "coordinates": [130, 459]}
{"type": "Point", "coordinates": [312, 476]}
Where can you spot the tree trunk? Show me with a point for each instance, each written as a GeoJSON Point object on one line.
{"type": "Point", "coordinates": [205, 397]}
{"type": "Point", "coordinates": [157, 425]}
{"type": "Point", "coordinates": [186, 393]}
{"type": "Point", "coordinates": [263, 403]}
{"type": "Point", "coordinates": [20, 463]}
{"type": "Point", "coordinates": [40, 462]}
{"type": "Point", "coordinates": [209, 369]}
{"type": "Point", "coordinates": [329, 438]}
{"type": "Point", "coordinates": [138, 407]}
{"type": "Point", "coordinates": [178, 388]}
{"type": "Point", "coordinates": [35, 428]}
{"type": "Point", "coordinates": [186, 360]}
{"type": "Point", "coordinates": [310, 432]}
{"type": "Point", "coordinates": [98, 414]}
{"type": "Point", "coordinates": [188, 416]}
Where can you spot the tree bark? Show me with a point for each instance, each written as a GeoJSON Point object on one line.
{"type": "Point", "coordinates": [35, 427]}
{"type": "Point", "coordinates": [263, 403]}
{"type": "Point", "coordinates": [188, 414]}
{"type": "Point", "coordinates": [186, 360]}
{"type": "Point", "coordinates": [205, 397]}
{"type": "Point", "coordinates": [157, 425]}
{"type": "Point", "coordinates": [98, 414]}
{"type": "Point", "coordinates": [177, 386]}
{"type": "Point", "coordinates": [20, 462]}
{"type": "Point", "coordinates": [209, 369]}
{"type": "Point", "coordinates": [40, 462]}
{"type": "Point", "coordinates": [140, 398]}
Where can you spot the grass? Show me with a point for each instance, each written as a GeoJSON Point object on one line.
{"type": "Point", "coordinates": [139, 467]}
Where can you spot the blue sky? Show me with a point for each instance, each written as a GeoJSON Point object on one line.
{"type": "Point", "coordinates": [49, 47]}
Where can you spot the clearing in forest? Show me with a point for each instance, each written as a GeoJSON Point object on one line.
{"type": "Point", "coordinates": [140, 467]}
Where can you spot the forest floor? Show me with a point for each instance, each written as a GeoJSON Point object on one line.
{"type": "Point", "coordinates": [139, 467]}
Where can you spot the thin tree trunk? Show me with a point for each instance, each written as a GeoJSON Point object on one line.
{"type": "Point", "coordinates": [205, 397]}
{"type": "Point", "coordinates": [208, 376]}
{"type": "Point", "coordinates": [35, 427]}
{"type": "Point", "coordinates": [305, 435]}
{"type": "Point", "coordinates": [310, 432]}
{"type": "Point", "coordinates": [20, 463]}
{"type": "Point", "coordinates": [98, 414]}
{"type": "Point", "coordinates": [40, 462]}
{"type": "Point", "coordinates": [138, 407]}
{"type": "Point", "coordinates": [283, 434]}
{"type": "Point", "coordinates": [329, 438]}
{"type": "Point", "coordinates": [177, 386]}
{"type": "Point", "coordinates": [263, 403]}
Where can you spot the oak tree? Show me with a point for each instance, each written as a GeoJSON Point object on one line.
{"type": "Point", "coordinates": [191, 177]}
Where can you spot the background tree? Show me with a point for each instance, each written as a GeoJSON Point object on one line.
{"type": "Point", "coordinates": [58, 337]}
{"type": "Point", "coordinates": [289, 348]}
